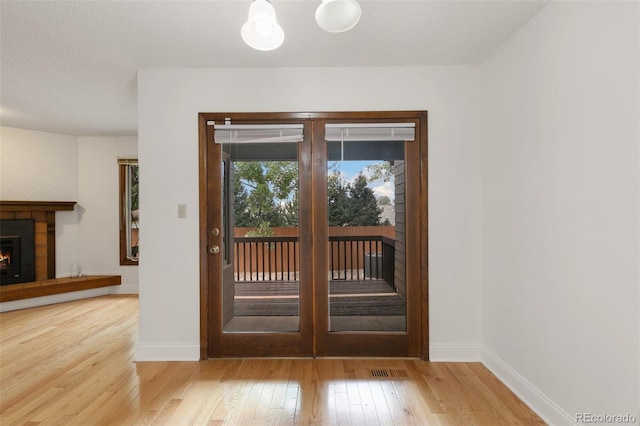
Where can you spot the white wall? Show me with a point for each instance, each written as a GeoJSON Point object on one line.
{"type": "Point", "coordinates": [98, 208]}
{"type": "Point", "coordinates": [41, 166]}
{"type": "Point", "coordinates": [561, 210]}
{"type": "Point", "coordinates": [169, 103]}
{"type": "Point", "coordinates": [82, 169]}
{"type": "Point", "coordinates": [37, 166]}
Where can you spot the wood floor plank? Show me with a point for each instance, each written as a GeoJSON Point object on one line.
{"type": "Point", "coordinates": [369, 409]}
{"type": "Point", "coordinates": [72, 364]}
{"type": "Point", "coordinates": [509, 403]}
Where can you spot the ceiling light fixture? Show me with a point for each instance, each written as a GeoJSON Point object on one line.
{"type": "Point", "coordinates": [336, 16]}
{"type": "Point", "coordinates": [261, 31]}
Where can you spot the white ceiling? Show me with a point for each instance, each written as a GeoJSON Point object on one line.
{"type": "Point", "coordinates": [70, 66]}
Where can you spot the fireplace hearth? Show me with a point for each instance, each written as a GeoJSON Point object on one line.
{"type": "Point", "coordinates": [17, 251]}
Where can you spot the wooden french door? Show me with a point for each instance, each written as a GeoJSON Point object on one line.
{"type": "Point", "coordinates": [314, 286]}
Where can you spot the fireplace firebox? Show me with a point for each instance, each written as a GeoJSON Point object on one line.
{"type": "Point", "coordinates": [17, 251]}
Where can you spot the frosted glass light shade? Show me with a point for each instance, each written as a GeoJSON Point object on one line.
{"type": "Point", "coordinates": [336, 16]}
{"type": "Point", "coordinates": [261, 31]}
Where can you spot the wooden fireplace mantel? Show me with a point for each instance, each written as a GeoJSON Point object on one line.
{"type": "Point", "coordinates": [36, 206]}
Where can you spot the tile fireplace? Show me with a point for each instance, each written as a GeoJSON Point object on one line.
{"type": "Point", "coordinates": [17, 251]}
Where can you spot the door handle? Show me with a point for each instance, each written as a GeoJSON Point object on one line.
{"type": "Point", "coordinates": [214, 249]}
{"type": "Point", "coordinates": [215, 232]}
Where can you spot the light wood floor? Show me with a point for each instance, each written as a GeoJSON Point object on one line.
{"type": "Point", "coordinates": [72, 363]}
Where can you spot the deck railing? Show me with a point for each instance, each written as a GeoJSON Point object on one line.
{"type": "Point", "coordinates": [351, 258]}
{"type": "Point", "coordinates": [266, 258]}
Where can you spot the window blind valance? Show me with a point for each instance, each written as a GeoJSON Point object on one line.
{"type": "Point", "coordinates": [258, 133]}
{"type": "Point", "coordinates": [334, 132]}
{"type": "Point", "coordinates": [369, 132]}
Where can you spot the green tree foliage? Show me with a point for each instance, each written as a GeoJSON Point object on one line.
{"type": "Point", "coordinates": [340, 213]}
{"type": "Point", "coordinates": [363, 203]}
{"type": "Point", "coordinates": [384, 201]}
{"type": "Point", "coordinates": [134, 179]}
{"type": "Point", "coordinates": [241, 208]}
{"type": "Point", "coordinates": [265, 194]}
{"type": "Point", "coordinates": [380, 171]}
{"type": "Point", "coordinates": [351, 204]}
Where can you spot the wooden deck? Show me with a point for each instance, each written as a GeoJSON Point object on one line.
{"type": "Point", "coordinates": [347, 298]}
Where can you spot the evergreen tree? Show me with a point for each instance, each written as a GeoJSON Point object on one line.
{"type": "Point", "coordinates": [363, 205]}
{"type": "Point", "coordinates": [339, 210]}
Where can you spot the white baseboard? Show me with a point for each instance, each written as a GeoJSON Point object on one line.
{"type": "Point", "coordinates": [543, 406]}
{"type": "Point", "coordinates": [33, 302]}
{"type": "Point", "coordinates": [125, 289]}
{"type": "Point", "coordinates": [455, 353]}
{"type": "Point", "coordinates": [158, 352]}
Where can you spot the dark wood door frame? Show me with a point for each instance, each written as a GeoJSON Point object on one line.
{"type": "Point", "coordinates": [419, 346]}
{"type": "Point", "coordinates": [297, 344]}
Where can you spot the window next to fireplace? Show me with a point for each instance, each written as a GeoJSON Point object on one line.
{"type": "Point", "coordinates": [17, 251]}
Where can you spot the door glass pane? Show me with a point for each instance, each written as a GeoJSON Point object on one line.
{"type": "Point", "coordinates": [260, 284]}
{"type": "Point", "coordinates": [367, 286]}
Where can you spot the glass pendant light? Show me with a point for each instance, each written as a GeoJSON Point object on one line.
{"type": "Point", "coordinates": [336, 16]}
{"type": "Point", "coordinates": [261, 31]}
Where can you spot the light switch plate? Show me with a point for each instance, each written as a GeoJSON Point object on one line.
{"type": "Point", "coordinates": [182, 211]}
